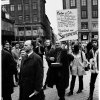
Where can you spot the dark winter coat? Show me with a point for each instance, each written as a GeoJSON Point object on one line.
{"type": "Point", "coordinates": [31, 76]}
{"type": "Point", "coordinates": [60, 76]}
{"type": "Point", "coordinates": [8, 69]}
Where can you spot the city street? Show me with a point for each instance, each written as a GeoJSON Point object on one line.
{"type": "Point", "coordinates": [51, 94]}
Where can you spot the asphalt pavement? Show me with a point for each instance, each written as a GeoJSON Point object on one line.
{"type": "Point", "coordinates": [51, 93]}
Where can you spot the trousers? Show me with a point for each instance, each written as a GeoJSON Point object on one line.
{"type": "Point", "coordinates": [73, 83]}
{"type": "Point", "coordinates": [92, 83]}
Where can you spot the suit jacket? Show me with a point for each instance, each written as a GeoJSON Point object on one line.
{"type": "Point", "coordinates": [31, 76]}
{"type": "Point", "coordinates": [8, 69]}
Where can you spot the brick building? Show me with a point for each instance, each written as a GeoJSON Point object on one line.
{"type": "Point", "coordinates": [31, 22]}
{"type": "Point", "coordinates": [87, 17]}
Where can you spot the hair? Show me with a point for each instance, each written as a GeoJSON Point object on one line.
{"type": "Point", "coordinates": [76, 49]}
{"type": "Point", "coordinates": [89, 46]}
{"type": "Point", "coordinates": [72, 43]}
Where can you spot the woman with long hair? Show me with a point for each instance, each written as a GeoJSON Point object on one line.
{"type": "Point", "coordinates": [77, 69]}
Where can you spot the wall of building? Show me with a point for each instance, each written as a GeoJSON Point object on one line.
{"type": "Point", "coordinates": [92, 30]}
{"type": "Point", "coordinates": [29, 19]}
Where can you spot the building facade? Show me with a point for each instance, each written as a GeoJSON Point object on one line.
{"type": "Point", "coordinates": [31, 21]}
{"type": "Point", "coordinates": [7, 28]}
{"type": "Point", "coordinates": [87, 17]}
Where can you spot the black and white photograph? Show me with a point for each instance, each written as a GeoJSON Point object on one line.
{"type": "Point", "coordinates": [49, 50]}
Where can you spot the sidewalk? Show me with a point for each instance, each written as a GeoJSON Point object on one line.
{"type": "Point", "coordinates": [51, 94]}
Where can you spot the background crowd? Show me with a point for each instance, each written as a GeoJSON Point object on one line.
{"type": "Point", "coordinates": [22, 64]}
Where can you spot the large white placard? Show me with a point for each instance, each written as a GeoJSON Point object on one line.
{"type": "Point", "coordinates": [67, 22]}
{"type": "Point", "coordinates": [3, 2]}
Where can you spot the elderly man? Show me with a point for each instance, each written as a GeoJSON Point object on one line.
{"type": "Point", "coordinates": [31, 75]}
{"type": "Point", "coordinates": [59, 69]}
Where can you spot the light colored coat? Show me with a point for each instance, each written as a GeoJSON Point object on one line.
{"type": "Point", "coordinates": [93, 63]}
{"type": "Point", "coordinates": [77, 65]}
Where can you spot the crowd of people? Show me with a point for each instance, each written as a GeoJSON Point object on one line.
{"type": "Point", "coordinates": [23, 66]}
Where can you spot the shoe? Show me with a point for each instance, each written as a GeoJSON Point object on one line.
{"type": "Point", "coordinates": [79, 91]}
{"type": "Point", "coordinates": [70, 93]}
{"type": "Point", "coordinates": [90, 98]}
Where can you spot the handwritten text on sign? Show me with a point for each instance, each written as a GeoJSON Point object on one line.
{"type": "Point", "coordinates": [67, 21]}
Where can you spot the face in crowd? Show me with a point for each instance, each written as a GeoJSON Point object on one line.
{"type": "Point", "coordinates": [7, 46]}
{"type": "Point", "coordinates": [94, 44]}
{"type": "Point", "coordinates": [72, 46]}
{"type": "Point", "coordinates": [17, 46]}
{"type": "Point", "coordinates": [58, 44]}
{"type": "Point", "coordinates": [64, 46]}
{"type": "Point", "coordinates": [48, 42]}
{"type": "Point", "coordinates": [23, 53]}
{"type": "Point", "coordinates": [28, 47]}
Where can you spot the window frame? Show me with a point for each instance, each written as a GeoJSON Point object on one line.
{"type": "Point", "coordinates": [94, 13]}
{"type": "Point", "coordinates": [83, 2]}
{"type": "Point", "coordinates": [12, 7]}
{"type": "Point", "coordinates": [27, 18]}
{"type": "Point", "coordinates": [34, 5]}
{"type": "Point", "coordinates": [94, 2]}
{"type": "Point", "coordinates": [20, 17]}
{"type": "Point", "coordinates": [72, 3]}
{"type": "Point", "coordinates": [26, 6]}
{"type": "Point", "coordinates": [36, 17]}
{"type": "Point", "coordinates": [19, 7]}
{"type": "Point", "coordinates": [84, 16]}
{"type": "Point", "coordinates": [83, 27]}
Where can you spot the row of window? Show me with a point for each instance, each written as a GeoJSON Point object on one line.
{"type": "Point", "coordinates": [84, 25]}
{"type": "Point", "coordinates": [83, 3]}
{"type": "Point", "coordinates": [27, 18]}
{"type": "Point", "coordinates": [26, 6]}
{"type": "Point", "coordinates": [84, 13]}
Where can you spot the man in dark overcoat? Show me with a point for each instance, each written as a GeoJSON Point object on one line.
{"type": "Point", "coordinates": [8, 70]}
{"type": "Point", "coordinates": [31, 75]}
{"type": "Point", "coordinates": [60, 74]}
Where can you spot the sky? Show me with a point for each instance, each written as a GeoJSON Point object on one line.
{"type": "Point", "coordinates": [51, 7]}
